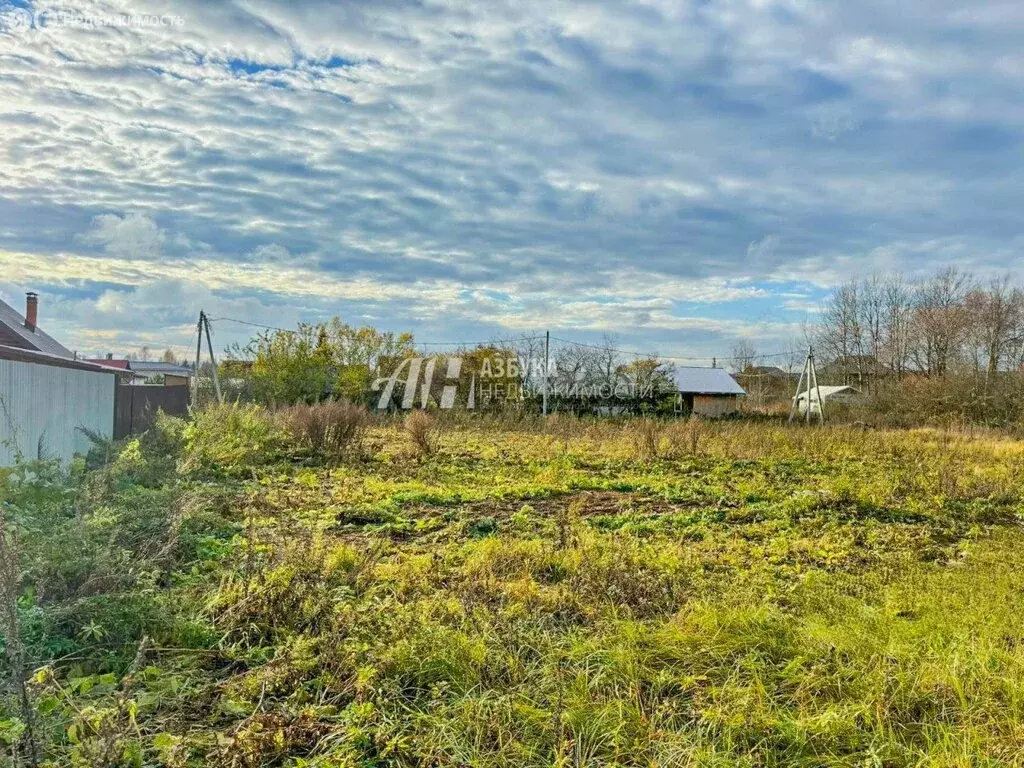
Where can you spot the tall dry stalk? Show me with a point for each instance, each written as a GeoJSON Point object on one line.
{"type": "Point", "coordinates": [10, 625]}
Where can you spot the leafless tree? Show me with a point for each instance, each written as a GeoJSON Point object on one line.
{"type": "Point", "coordinates": [940, 320]}
{"type": "Point", "coordinates": [744, 356]}
{"type": "Point", "coordinates": [995, 317]}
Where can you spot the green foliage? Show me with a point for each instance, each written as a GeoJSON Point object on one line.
{"type": "Point", "coordinates": [320, 361]}
{"type": "Point", "coordinates": [232, 440]}
{"type": "Point", "coordinates": [742, 595]}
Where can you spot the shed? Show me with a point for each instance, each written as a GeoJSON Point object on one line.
{"type": "Point", "coordinates": [46, 400]}
{"type": "Point", "coordinates": [833, 394]}
{"type": "Point", "coordinates": [709, 392]}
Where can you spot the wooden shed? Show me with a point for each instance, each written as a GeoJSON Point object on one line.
{"type": "Point", "coordinates": [708, 392]}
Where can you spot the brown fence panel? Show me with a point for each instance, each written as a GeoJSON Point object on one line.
{"type": "Point", "coordinates": [136, 407]}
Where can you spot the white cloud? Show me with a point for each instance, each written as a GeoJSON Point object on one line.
{"type": "Point", "coordinates": [575, 156]}
{"type": "Point", "coordinates": [135, 236]}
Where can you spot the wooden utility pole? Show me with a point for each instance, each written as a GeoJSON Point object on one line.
{"type": "Point", "coordinates": [213, 360]}
{"type": "Point", "coordinates": [199, 350]}
{"type": "Point", "coordinates": [810, 375]}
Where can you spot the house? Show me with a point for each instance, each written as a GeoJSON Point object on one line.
{"type": "Point", "coordinates": [147, 372]}
{"type": "Point", "coordinates": [50, 403]}
{"type": "Point", "coordinates": [709, 392]}
{"type": "Point", "coordinates": [837, 395]}
{"type": "Point", "coordinates": [23, 332]}
{"type": "Point", "coordinates": [171, 374]}
{"type": "Point", "coordinates": [859, 370]}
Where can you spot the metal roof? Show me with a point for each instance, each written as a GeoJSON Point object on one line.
{"type": "Point", "coordinates": [19, 355]}
{"type": "Point", "coordinates": [108, 362]}
{"type": "Point", "coordinates": [37, 339]}
{"type": "Point", "coordinates": [159, 367]}
{"type": "Point", "coordinates": [707, 381]}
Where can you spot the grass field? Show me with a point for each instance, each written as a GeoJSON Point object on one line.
{"type": "Point", "coordinates": [524, 594]}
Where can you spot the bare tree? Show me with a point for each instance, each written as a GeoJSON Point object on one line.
{"type": "Point", "coordinates": [940, 320]}
{"type": "Point", "coordinates": [896, 323]}
{"type": "Point", "coordinates": [744, 356]}
{"type": "Point", "coordinates": [995, 313]}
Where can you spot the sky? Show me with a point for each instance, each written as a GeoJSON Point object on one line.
{"type": "Point", "coordinates": [682, 176]}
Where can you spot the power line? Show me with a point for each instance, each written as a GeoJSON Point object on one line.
{"type": "Point", "coordinates": [605, 348]}
{"type": "Point", "coordinates": [415, 343]}
{"type": "Point", "coordinates": [462, 343]}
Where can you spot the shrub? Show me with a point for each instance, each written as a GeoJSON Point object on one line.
{"type": "Point", "coordinates": [420, 428]}
{"type": "Point", "coordinates": [327, 429]}
{"type": "Point", "coordinates": [232, 440]}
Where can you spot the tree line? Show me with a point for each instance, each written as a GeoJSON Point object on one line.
{"type": "Point", "coordinates": [948, 322]}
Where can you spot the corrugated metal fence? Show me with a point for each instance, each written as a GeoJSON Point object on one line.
{"type": "Point", "coordinates": [42, 407]}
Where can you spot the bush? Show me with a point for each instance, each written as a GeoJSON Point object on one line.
{"type": "Point", "coordinates": [232, 440]}
{"type": "Point", "coordinates": [420, 428]}
{"type": "Point", "coordinates": [326, 429]}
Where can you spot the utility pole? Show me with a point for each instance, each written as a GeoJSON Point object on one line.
{"type": "Point", "coordinates": [213, 360]}
{"type": "Point", "coordinates": [547, 347]}
{"type": "Point", "coordinates": [810, 375]}
{"type": "Point", "coordinates": [199, 350]}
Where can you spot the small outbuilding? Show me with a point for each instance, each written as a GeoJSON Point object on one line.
{"type": "Point", "coordinates": [829, 394]}
{"type": "Point", "coordinates": [707, 392]}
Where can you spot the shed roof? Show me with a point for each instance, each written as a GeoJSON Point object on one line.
{"type": "Point", "coordinates": [36, 339]}
{"type": "Point", "coordinates": [19, 355]}
{"type": "Point", "coordinates": [707, 381]}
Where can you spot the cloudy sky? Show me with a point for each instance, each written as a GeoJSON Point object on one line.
{"type": "Point", "coordinates": [680, 174]}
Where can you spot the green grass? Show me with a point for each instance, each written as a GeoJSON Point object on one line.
{"type": "Point", "coordinates": [531, 596]}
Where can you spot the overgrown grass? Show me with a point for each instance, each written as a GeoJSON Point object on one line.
{"type": "Point", "coordinates": [526, 593]}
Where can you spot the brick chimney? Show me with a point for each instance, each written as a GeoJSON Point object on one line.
{"type": "Point", "coordinates": [31, 310]}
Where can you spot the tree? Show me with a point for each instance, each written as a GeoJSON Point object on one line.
{"type": "Point", "coordinates": [318, 361]}
{"type": "Point", "coordinates": [744, 356]}
{"type": "Point", "coordinates": [940, 320]}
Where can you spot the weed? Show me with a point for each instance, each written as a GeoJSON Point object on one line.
{"type": "Point", "coordinates": [329, 430]}
{"type": "Point", "coordinates": [420, 428]}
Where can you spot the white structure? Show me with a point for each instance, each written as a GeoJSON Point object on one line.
{"type": "Point", "coordinates": [44, 399]}
{"type": "Point", "coordinates": [829, 394]}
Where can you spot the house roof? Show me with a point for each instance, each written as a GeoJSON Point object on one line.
{"type": "Point", "coordinates": [158, 368]}
{"type": "Point", "coordinates": [17, 335]}
{"type": "Point", "coordinates": [19, 355]}
{"type": "Point", "coordinates": [856, 364]}
{"type": "Point", "coordinates": [121, 365]}
{"type": "Point", "coordinates": [829, 391]}
{"type": "Point", "coordinates": [706, 381]}
{"type": "Point", "coordinates": [765, 370]}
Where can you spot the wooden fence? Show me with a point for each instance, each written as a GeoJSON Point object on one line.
{"type": "Point", "coordinates": [135, 407]}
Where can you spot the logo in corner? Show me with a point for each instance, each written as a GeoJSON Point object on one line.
{"type": "Point", "coordinates": [15, 19]}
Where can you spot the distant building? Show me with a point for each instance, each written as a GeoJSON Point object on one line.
{"type": "Point", "coordinates": [708, 392]}
{"type": "Point", "coordinates": [853, 370]}
{"type": "Point", "coordinates": [23, 332]}
{"type": "Point", "coordinates": [148, 372]}
{"type": "Point", "coordinates": [767, 371]}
